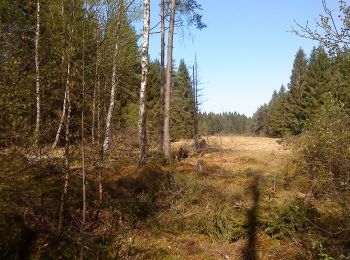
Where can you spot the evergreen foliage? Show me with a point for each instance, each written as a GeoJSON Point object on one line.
{"type": "Point", "coordinates": [293, 114]}
{"type": "Point", "coordinates": [312, 83]}
{"type": "Point", "coordinates": [182, 104]}
{"type": "Point", "coordinates": [223, 123]}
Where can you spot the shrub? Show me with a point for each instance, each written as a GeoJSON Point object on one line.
{"type": "Point", "coordinates": [325, 149]}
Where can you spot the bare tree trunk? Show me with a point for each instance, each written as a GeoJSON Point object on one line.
{"type": "Point", "coordinates": [58, 133]}
{"type": "Point", "coordinates": [167, 89]}
{"type": "Point", "coordinates": [63, 109]}
{"type": "Point", "coordinates": [96, 86]}
{"type": "Point", "coordinates": [111, 103]}
{"type": "Point", "coordinates": [195, 99]}
{"type": "Point", "coordinates": [99, 132]}
{"type": "Point", "coordinates": [66, 153]}
{"type": "Point", "coordinates": [100, 146]}
{"type": "Point", "coordinates": [83, 154]}
{"type": "Point", "coordinates": [37, 72]}
{"type": "Point", "coordinates": [144, 65]}
{"type": "Point", "coordinates": [162, 76]}
{"type": "Point", "coordinates": [113, 87]}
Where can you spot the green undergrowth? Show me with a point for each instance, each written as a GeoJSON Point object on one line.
{"type": "Point", "coordinates": [142, 206]}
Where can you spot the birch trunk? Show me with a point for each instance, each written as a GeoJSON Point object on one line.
{"type": "Point", "coordinates": [113, 87]}
{"type": "Point", "coordinates": [37, 72]}
{"type": "Point", "coordinates": [66, 153]}
{"type": "Point", "coordinates": [111, 103]}
{"type": "Point", "coordinates": [144, 65]}
{"type": "Point", "coordinates": [168, 81]}
{"type": "Point", "coordinates": [162, 76]}
{"type": "Point", "coordinates": [57, 138]}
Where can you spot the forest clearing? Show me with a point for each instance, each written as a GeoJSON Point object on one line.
{"type": "Point", "coordinates": [245, 201]}
{"type": "Point", "coordinates": [174, 129]}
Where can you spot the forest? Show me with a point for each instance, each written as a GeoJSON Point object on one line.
{"type": "Point", "coordinates": [106, 152]}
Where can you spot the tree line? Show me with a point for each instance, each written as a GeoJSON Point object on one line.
{"type": "Point", "coordinates": [315, 82]}
{"type": "Point", "coordinates": [224, 123]}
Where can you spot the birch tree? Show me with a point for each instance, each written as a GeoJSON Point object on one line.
{"type": "Point", "coordinates": [113, 84]}
{"type": "Point", "coordinates": [37, 76]}
{"type": "Point", "coordinates": [63, 115]}
{"type": "Point", "coordinates": [144, 65]}
{"type": "Point", "coordinates": [66, 153]}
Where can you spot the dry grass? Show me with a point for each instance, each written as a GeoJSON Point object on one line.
{"type": "Point", "coordinates": [231, 164]}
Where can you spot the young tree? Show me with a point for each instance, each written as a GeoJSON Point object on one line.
{"type": "Point", "coordinates": [182, 105]}
{"type": "Point", "coordinates": [144, 65]}
{"type": "Point", "coordinates": [113, 81]}
{"type": "Point", "coordinates": [96, 87]}
{"type": "Point", "coordinates": [37, 72]}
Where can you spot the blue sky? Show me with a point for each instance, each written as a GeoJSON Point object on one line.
{"type": "Point", "coordinates": [245, 52]}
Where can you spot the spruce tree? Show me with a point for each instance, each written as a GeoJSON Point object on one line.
{"type": "Point", "coordinates": [294, 116]}
{"type": "Point", "coordinates": [316, 83]}
{"type": "Point", "coordinates": [182, 104]}
{"type": "Point", "coordinates": [276, 119]}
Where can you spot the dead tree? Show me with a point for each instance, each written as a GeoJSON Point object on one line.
{"type": "Point", "coordinates": [167, 89]}
{"type": "Point", "coordinates": [162, 78]}
{"type": "Point", "coordinates": [195, 104]}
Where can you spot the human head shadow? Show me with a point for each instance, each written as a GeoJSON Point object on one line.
{"type": "Point", "coordinates": [250, 250]}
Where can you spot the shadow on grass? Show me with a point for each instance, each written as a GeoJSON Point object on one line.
{"type": "Point", "coordinates": [140, 193]}
{"type": "Point", "coordinates": [250, 251]}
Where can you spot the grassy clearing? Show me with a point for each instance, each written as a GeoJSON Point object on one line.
{"type": "Point", "coordinates": [248, 203]}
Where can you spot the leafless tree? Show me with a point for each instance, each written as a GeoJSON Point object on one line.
{"type": "Point", "coordinates": [168, 81]}
{"type": "Point", "coordinates": [332, 30]}
{"type": "Point", "coordinates": [162, 78]}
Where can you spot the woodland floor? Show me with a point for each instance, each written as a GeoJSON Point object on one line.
{"type": "Point", "coordinates": [238, 205]}
{"type": "Point", "coordinates": [241, 170]}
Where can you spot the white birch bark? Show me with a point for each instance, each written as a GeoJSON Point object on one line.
{"type": "Point", "coordinates": [63, 109]}
{"type": "Point", "coordinates": [66, 154]}
{"type": "Point", "coordinates": [168, 81]}
{"type": "Point", "coordinates": [107, 136]}
{"type": "Point", "coordinates": [144, 66]}
{"type": "Point", "coordinates": [111, 103]}
{"type": "Point", "coordinates": [37, 72]}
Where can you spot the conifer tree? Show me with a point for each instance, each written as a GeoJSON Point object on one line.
{"type": "Point", "coordinates": [276, 118]}
{"type": "Point", "coordinates": [294, 115]}
{"type": "Point", "coordinates": [316, 83]}
{"type": "Point", "coordinates": [182, 105]}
